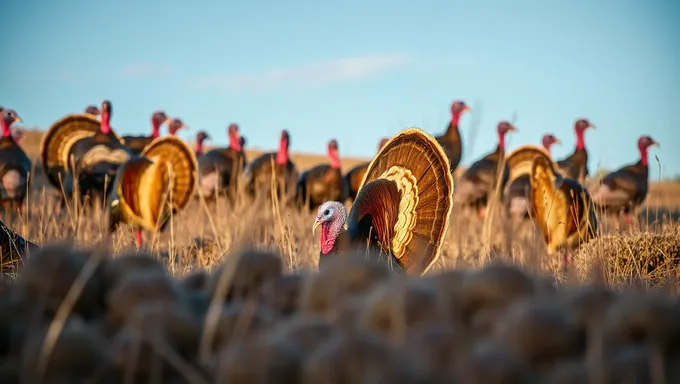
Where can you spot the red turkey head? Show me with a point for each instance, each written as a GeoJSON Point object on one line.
{"type": "Point", "coordinates": [382, 143]}
{"type": "Point", "coordinates": [332, 217]}
{"type": "Point", "coordinates": [646, 141]}
{"type": "Point", "coordinates": [505, 127]}
{"type": "Point", "coordinates": [7, 118]}
{"type": "Point", "coordinates": [282, 153]}
{"type": "Point", "coordinates": [583, 124]}
{"type": "Point", "coordinates": [175, 125]}
{"type": "Point", "coordinates": [158, 118]}
{"type": "Point", "coordinates": [202, 136]}
{"type": "Point", "coordinates": [333, 154]}
{"type": "Point", "coordinates": [457, 109]}
{"type": "Point", "coordinates": [234, 137]}
{"type": "Point", "coordinates": [92, 110]}
{"type": "Point", "coordinates": [548, 140]}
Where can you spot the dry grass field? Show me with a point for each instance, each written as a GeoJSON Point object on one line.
{"type": "Point", "coordinates": [471, 320]}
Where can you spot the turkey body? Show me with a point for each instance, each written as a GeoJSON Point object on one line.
{"type": "Point", "coordinates": [219, 171]}
{"type": "Point", "coordinates": [480, 180]}
{"type": "Point", "coordinates": [13, 248]}
{"type": "Point", "coordinates": [623, 190]}
{"type": "Point", "coordinates": [452, 146]}
{"type": "Point", "coordinates": [403, 209]}
{"type": "Point", "coordinates": [15, 167]}
{"type": "Point", "coordinates": [575, 167]}
{"type": "Point", "coordinates": [319, 184]}
{"type": "Point", "coordinates": [353, 179]}
{"type": "Point", "coordinates": [96, 161]}
{"type": "Point", "coordinates": [136, 144]}
{"type": "Point", "coordinates": [258, 174]}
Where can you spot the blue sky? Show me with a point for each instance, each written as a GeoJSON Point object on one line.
{"type": "Point", "coordinates": [355, 70]}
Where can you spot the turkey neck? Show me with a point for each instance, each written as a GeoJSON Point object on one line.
{"type": "Point", "coordinates": [547, 148]}
{"type": "Point", "coordinates": [501, 141]}
{"type": "Point", "coordinates": [334, 158]}
{"type": "Point", "coordinates": [580, 140]}
{"type": "Point", "coordinates": [235, 142]}
{"type": "Point", "coordinates": [199, 147]}
{"type": "Point", "coordinates": [6, 131]}
{"type": "Point", "coordinates": [155, 129]}
{"type": "Point", "coordinates": [453, 131]}
{"type": "Point", "coordinates": [105, 126]}
{"type": "Point", "coordinates": [644, 158]}
{"type": "Point", "coordinates": [282, 154]}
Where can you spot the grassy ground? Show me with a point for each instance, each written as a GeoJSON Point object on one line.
{"type": "Point", "coordinates": [201, 233]}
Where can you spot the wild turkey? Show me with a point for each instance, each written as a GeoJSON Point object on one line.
{"type": "Point", "coordinates": [450, 140]}
{"type": "Point", "coordinates": [576, 165]}
{"type": "Point", "coordinates": [15, 166]}
{"type": "Point", "coordinates": [626, 189]}
{"type": "Point", "coordinates": [92, 110]}
{"type": "Point", "coordinates": [137, 143]}
{"type": "Point", "coordinates": [402, 210]}
{"type": "Point", "coordinates": [257, 175]}
{"type": "Point", "coordinates": [13, 248]}
{"type": "Point", "coordinates": [201, 137]}
{"type": "Point", "coordinates": [321, 183]}
{"type": "Point", "coordinates": [519, 187]}
{"type": "Point", "coordinates": [149, 188]}
{"type": "Point", "coordinates": [219, 169]}
{"type": "Point", "coordinates": [82, 145]}
{"type": "Point", "coordinates": [480, 180]}
{"type": "Point", "coordinates": [355, 176]}
{"type": "Point", "coordinates": [563, 209]}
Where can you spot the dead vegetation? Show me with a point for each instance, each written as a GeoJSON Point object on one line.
{"type": "Point", "coordinates": [230, 293]}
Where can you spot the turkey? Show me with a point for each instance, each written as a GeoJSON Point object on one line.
{"type": "Point", "coordinates": [519, 187]}
{"type": "Point", "coordinates": [137, 143]}
{"type": "Point", "coordinates": [84, 146]}
{"type": "Point", "coordinates": [220, 169]}
{"type": "Point", "coordinates": [151, 187]}
{"type": "Point", "coordinates": [576, 165]}
{"type": "Point", "coordinates": [401, 211]}
{"type": "Point", "coordinates": [15, 166]}
{"type": "Point", "coordinates": [563, 209]}
{"type": "Point", "coordinates": [321, 183]}
{"type": "Point", "coordinates": [201, 137]}
{"type": "Point", "coordinates": [355, 176]}
{"type": "Point", "coordinates": [624, 190]}
{"type": "Point", "coordinates": [175, 125]}
{"type": "Point", "coordinates": [257, 176]}
{"type": "Point", "coordinates": [450, 140]}
{"type": "Point", "coordinates": [13, 248]}
{"type": "Point", "coordinates": [480, 180]}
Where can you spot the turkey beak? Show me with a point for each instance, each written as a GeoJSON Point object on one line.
{"type": "Point", "coordinates": [591, 126]}
{"type": "Point", "coordinates": [317, 222]}
{"type": "Point", "coordinates": [17, 119]}
{"type": "Point", "coordinates": [167, 120]}
{"type": "Point", "coordinates": [655, 144]}
{"type": "Point", "coordinates": [512, 129]}
{"type": "Point", "coordinates": [557, 141]}
{"type": "Point", "coordinates": [467, 109]}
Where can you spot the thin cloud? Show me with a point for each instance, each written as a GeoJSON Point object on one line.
{"type": "Point", "coordinates": [145, 70]}
{"type": "Point", "coordinates": [311, 75]}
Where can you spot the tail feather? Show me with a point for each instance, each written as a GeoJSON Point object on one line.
{"type": "Point", "coordinates": [407, 193]}
{"type": "Point", "coordinates": [520, 160]}
{"type": "Point", "coordinates": [563, 208]}
{"type": "Point", "coordinates": [182, 163]}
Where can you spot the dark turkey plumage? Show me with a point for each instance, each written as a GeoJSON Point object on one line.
{"type": "Point", "coordinates": [258, 174]}
{"type": "Point", "coordinates": [321, 183]}
{"type": "Point", "coordinates": [576, 165]}
{"type": "Point", "coordinates": [137, 143]}
{"type": "Point", "coordinates": [220, 169]}
{"type": "Point", "coordinates": [15, 166]}
{"type": "Point", "coordinates": [451, 141]}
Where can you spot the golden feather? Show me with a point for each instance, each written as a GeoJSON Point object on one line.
{"type": "Point", "coordinates": [520, 160]}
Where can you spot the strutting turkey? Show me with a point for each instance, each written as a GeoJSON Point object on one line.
{"type": "Point", "coordinates": [402, 210]}
{"type": "Point", "coordinates": [451, 141]}
{"type": "Point", "coordinates": [355, 176]}
{"type": "Point", "coordinates": [562, 208]}
{"type": "Point", "coordinates": [151, 187]}
{"type": "Point", "coordinates": [79, 148]}
{"type": "Point", "coordinates": [480, 180]}
{"type": "Point", "coordinates": [576, 165]}
{"type": "Point", "coordinates": [137, 143]}
{"type": "Point", "coordinates": [258, 174]}
{"type": "Point", "coordinates": [624, 190]}
{"type": "Point", "coordinates": [519, 187]}
{"type": "Point", "coordinates": [321, 183]}
{"type": "Point", "coordinates": [219, 169]}
{"type": "Point", "coordinates": [15, 166]}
